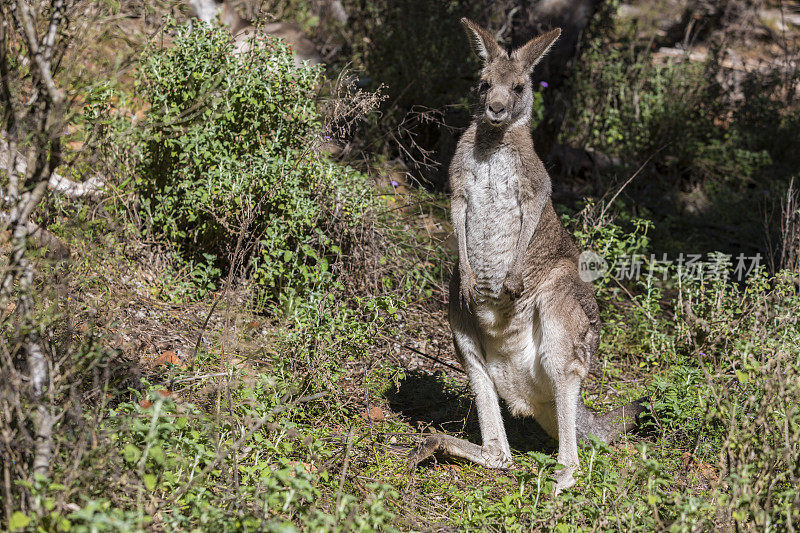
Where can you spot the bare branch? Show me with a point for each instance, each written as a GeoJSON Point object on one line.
{"type": "Point", "coordinates": [44, 440]}
{"type": "Point", "coordinates": [23, 18]}
{"type": "Point", "coordinates": [49, 40]}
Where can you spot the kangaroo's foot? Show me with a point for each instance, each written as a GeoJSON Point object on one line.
{"type": "Point", "coordinates": [488, 456]}
{"type": "Point", "coordinates": [565, 478]}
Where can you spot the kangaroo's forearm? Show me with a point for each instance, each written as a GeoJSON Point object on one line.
{"type": "Point", "coordinates": [458, 209]}
{"type": "Point", "coordinates": [531, 214]}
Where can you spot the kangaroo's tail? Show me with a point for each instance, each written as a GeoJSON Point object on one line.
{"type": "Point", "coordinates": [609, 426]}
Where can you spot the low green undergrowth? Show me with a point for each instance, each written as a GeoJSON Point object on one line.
{"type": "Point", "coordinates": [278, 433]}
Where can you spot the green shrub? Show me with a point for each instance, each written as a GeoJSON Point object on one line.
{"type": "Point", "coordinates": [746, 339]}
{"type": "Point", "coordinates": [626, 103]}
{"type": "Point", "coordinates": [229, 171]}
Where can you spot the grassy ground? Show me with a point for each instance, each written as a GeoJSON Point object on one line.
{"type": "Point", "coordinates": [214, 416]}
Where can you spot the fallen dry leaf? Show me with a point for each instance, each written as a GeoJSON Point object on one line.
{"type": "Point", "coordinates": [308, 467]}
{"type": "Point", "coordinates": [708, 472]}
{"type": "Point", "coordinates": [375, 414]}
{"type": "Point", "coordinates": [686, 460]}
{"type": "Point", "coordinates": [9, 309]}
{"type": "Point", "coordinates": [169, 358]}
{"type": "Point", "coordinates": [237, 361]}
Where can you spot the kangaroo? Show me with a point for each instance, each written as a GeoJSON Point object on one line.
{"type": "Point", "coordinates": [525, 326]}
{"type": "Point", "coordinates": [243, 30]}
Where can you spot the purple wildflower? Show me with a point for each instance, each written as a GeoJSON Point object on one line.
{"type": "Point", "coordinates": [544, 84]}
{"type": "Point", "coordinates": [394, 183]}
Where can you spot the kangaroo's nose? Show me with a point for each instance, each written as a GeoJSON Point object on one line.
{"type": "Point", "coordinates": [496, 108]}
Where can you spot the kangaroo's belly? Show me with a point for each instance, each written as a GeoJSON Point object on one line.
{"type": "Point", "coordinates": [513, 348]}
{"type": "Point", "coordinates": [493, 222]}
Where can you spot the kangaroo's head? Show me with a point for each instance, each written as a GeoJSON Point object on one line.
{"type": "Point", "coordinates": [505, 90]}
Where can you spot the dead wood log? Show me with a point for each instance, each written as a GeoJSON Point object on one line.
{"type": "Point", "coordinates": [94, 187]}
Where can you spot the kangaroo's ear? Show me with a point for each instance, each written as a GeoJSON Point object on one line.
{"type": "Point", "coordinates": [483, 44]}
{"type": "Point", "coordinates": [533, 51]}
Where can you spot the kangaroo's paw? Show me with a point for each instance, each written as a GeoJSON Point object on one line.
{"type": "Point", "coordinates": [488, 456]}
{"type": "Point", "coordinates": [565, 479]}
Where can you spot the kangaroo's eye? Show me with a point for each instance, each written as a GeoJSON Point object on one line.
{"type": "Point", "coordinates": [519, 88]}
{"type": "Point", "coordinates": [483, 86]}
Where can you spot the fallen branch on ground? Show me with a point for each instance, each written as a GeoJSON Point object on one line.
{"type": "Point", "coordinates": [39, 238]}
{"type": "Point", "coordinates": [94, 187]}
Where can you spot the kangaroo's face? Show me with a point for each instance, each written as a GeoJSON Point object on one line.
{"type": "Point", "coordinates": [206, 10]}
{"type": "Point", "coordinates": [505, 91]}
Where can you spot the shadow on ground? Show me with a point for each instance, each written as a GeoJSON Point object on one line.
{"type": "Point", "coordinates": [434, 400]}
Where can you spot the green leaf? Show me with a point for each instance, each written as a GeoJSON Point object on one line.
{"type": "Point", "coordinates": [131, 453]}
{"type": "Point", "coordinates": [18, 521]}
{"type": "Point", "coordinates": [64, 525]}
{"type": "Point", "coordinates": [157, 454]}
{"type": "Point", "coordinates": [149, 481]}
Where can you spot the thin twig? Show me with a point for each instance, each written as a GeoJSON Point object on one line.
{"type": "Point", "coordinates": [611, 202]}
{"type": "Point", "coordinates": [633, 300]}
{"type": "Point", "coordinates": [40, 56]}
{"type": "Point", "coordinates": [346, 465]}
{"type": "Point", "coordinates": [432, 358]}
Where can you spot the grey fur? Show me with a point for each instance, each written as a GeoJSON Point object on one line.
{"type": "Point", "coordinates": [525, 326]}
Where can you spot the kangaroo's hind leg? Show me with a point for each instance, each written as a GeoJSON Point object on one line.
{"type": "Point", "coordinates": [569, 340]}
{"type": "Point", "coordinates": [494, 451]}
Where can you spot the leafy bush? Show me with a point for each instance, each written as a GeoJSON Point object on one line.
{"type": "Point", "coordinates": [230, 168]}
{"type": "Point", "coordinates": [626, 103]}
{"type": "Point", "coordinates": [746, 339]}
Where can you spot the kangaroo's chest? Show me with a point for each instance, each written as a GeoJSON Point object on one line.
{"type": "Point", "coordinates": [494, 216]}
